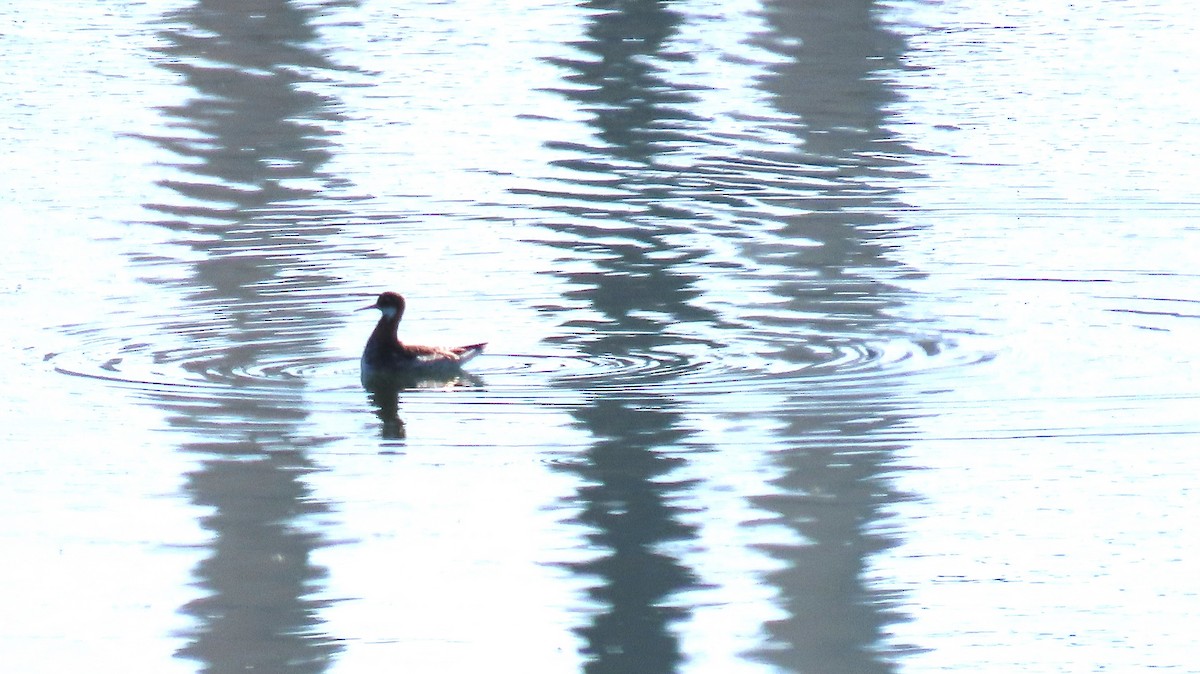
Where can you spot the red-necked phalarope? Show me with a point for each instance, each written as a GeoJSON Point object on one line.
{"type": "Point", "coordinates": [386, 356]}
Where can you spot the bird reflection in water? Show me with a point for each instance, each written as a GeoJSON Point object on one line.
{"type": "Point", "coordinates": [384, 394]}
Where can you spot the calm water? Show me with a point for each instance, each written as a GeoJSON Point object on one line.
{"type": "Point", "coordinates": [824, 338]}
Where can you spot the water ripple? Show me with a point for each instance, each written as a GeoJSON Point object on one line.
{"type": "Point", "coordinates": [200, 374]}
{"type": "Point", "coordinates": [702, 370]}
{"type": "Point", "coordinates": [849, 368]}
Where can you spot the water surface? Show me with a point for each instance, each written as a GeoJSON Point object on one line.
{"type": "Point", "coordinates": [821, 340]}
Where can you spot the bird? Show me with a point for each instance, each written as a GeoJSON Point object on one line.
{"type": "Point", "coordinates": [385, 356]}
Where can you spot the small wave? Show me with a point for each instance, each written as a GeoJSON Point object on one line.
{"type": "Point", "coordinates": [197, 375]}
{"type": "Point", "coordinates": [722, 376]}
{"type": "Point", "coordinates": [850, 367]}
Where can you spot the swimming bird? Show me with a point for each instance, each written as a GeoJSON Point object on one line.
{"type": "Point", "coordinates": [385, 356]}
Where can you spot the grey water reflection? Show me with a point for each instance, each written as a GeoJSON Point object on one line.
{"type": "Point", "coordinates": [629, 489]}
{"type": "Point", "coordinates": [835, 293]}
{"type": "Point", "coordinates": [252, 142]}
{"type": "Point", "coordinates": [832, 83]}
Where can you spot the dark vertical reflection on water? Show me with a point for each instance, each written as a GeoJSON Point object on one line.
{"type": "Point", "coordinates": [832, 495]}
{"type": "Point", "coordinates": [250, 139]}
{"type": "Point", "coordinates": [628, 497]}
{"type": "Point", "coordinates": [838, 180]}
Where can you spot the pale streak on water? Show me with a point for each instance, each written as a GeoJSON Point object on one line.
{"type": "Point", "coordinates": [841, 340]}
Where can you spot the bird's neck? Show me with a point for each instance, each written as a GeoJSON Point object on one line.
{"type": "Point", "coordinates": [384, 336]}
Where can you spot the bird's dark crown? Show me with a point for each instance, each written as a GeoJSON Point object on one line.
{"type": "Point", "coordinates": [390, 300]}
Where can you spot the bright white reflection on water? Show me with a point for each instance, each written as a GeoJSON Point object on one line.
{"type": "Point", "coordinates": [853, 338]}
